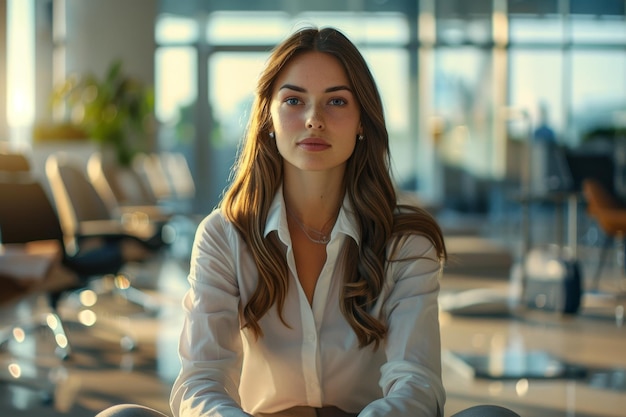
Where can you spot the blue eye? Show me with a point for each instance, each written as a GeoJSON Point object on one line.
{"type": "Point", "coordinates": [337, 102]}
{"type": "Point", "coordinates": [292, 101]}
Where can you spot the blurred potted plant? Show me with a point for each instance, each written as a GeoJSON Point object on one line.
{"type": "Point", "coordinates": [115, 111]}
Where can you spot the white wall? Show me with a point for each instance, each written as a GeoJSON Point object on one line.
{"type": "Point", "coordinates": [99, 32]}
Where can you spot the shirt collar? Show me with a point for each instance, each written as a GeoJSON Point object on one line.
{"type": "Point", "coordinates": [277, 220]}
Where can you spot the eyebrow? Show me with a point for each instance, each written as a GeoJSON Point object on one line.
{"type": "Point", "coordinates": [303, 90]}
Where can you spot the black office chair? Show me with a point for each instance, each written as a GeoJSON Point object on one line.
{"type": "Point", "coordinates": [82, 213]}
{"type": "Point", "coordinates": [27, 215]}
{"type": "Point", "coordinates": [9, 225]}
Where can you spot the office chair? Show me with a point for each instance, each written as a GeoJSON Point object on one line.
{"type": "Point", "coordinates": [150, 167]}
{"type": "Point", "coordinates": [610, 215]}
{"type": "Point", "coordinates": [83, 212]}
{"type": "Point", "coordinates": [15, 166]}
{"type": "Point", "coordinates": [28, 216]}
{"type": "Point", "coordinates": [123, 190]}
{"type": "Point", "coordinates": [169, 179]}
{"type": "Point", "coordinates": [179, 175]}
{"type": "Point", "coordinates": [13, 162]}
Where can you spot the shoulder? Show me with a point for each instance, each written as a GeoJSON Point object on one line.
{"type": "Point", "coordinates": [216, 244]}
{"type": "Point", "coordinates": [416, 230]}
{"type": "Point", "coordinates": [213, 221]}
{"type": "Point", "coordinates": [216, 227]}
{"type": "Point", "coordinates": [414, 219]}
{"type": "Point", "coordinates": [412, 245]}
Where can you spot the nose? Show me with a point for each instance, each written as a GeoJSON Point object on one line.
{"type": "Point", "coordinates": [314, 119]}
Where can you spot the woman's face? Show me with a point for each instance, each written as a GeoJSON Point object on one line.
{"type": "Point", "coordinates": [315, 115]}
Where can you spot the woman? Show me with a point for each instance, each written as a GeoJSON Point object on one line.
{"type": "Point", "coordinates": [312, 291]}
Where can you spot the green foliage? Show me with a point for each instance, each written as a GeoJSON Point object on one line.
{"type": "Point", "coordinates": [603, 132]}
{"type": "Point", "coordinates": [116, 111]}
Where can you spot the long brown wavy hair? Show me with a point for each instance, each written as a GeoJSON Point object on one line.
{"type": "Point", "coordinates": [258, 174]}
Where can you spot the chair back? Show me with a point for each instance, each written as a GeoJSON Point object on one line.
{"type": "Point", "coordinates": [14, 162]}
{"type": "Point", "coordinates": [14, 165]}
{"type": "Point", "coordinates": [75, 196]}
{"type": "Point", "coordinates": [181, 180]}
{"type": "Point", "coordinates": [598, 197]}
{"type": "Point", "coordinates": [118, 185]}
{"type": "Point", "coordinates": [605, 207]}
{"type": "Point", "coordinates": [150, 169]}
{"type": "Point", "coordinates": [27, 214]}
{"type": "Point", "coordinates": [30, 216]}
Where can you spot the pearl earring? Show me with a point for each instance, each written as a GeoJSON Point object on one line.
{"type": "Point", "coordinates": [272, 135]}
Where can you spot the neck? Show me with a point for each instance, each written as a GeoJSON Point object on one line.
{"type": "Point", "coordinates": [312, 203]}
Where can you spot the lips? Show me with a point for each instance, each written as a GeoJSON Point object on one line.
{"type": "Point", "coordinates": [313, 144]}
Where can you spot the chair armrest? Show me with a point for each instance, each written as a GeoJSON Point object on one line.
{"type": "Point", "coordinates": [155, 214]}
{"type": "Point", "coordinates": [115, 228]}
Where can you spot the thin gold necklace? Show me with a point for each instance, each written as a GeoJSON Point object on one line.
{"type": "Point", "coordinates": [319, 236]}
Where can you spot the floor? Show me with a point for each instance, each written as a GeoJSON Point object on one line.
{"type": "Point", "coordinates": [129, 353]}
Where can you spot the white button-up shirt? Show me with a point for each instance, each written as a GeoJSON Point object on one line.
{"type": "Point", "coordinates": [316, 361]}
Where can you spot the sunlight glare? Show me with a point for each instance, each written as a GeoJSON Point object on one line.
{"type": "Point", "coordinates": [20, 63]}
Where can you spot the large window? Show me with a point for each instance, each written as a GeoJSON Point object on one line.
{"type": "Point", "coordinates": [444, 95]}
{"type": "Point", "coordinates": [463, 101]}
{"type": "Point", "coordinates": [176, 87]}
{"type": "Point", "coordinates": [232, 81]}
{"type": "Point", "coordinates": [176, 68]}
{"type": "Point", "coordinates": [207, 72]}
{"type": "Point", "coordinates": [536, 86]}
{"type": "Point", "coordinates": [390, 68]}
{"type": "Point", "coordinates": [601, 30]}
{"type": "Point", "coordinates": [598, 89]}
{"type": "Point", "coordinates": [567, 61]}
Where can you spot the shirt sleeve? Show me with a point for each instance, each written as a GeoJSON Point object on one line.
{"type": "Point", "coordinates": [411, 377]}
{"type": "Point", "coordinates": [210, 342]}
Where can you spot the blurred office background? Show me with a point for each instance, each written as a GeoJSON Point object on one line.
{"type": "Point", "coordinates": [478, 95]}
{"type": "Point", "coordinates": [450, 73]}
